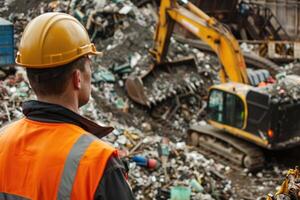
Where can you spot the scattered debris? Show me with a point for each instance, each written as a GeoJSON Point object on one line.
{"type": "Point", "coordinates": [290, 188]}
{"type": "Point", "coordinates": [161, 166]}
{"type": "Point", "coordinates": [13, 91]}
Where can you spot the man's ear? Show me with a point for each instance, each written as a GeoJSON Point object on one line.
{"type": "Point", "coordinates": [76, 78]}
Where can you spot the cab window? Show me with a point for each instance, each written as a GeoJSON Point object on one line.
{"type": "Point", "coordinates": [215, 106]}
{"type": "Point", "coordinates": [226, 108]}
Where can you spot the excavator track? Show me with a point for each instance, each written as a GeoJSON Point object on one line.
{"type": "Point", "coordinates": [233, 149]}
{"type": "Point", "coordinates": [217, 157]}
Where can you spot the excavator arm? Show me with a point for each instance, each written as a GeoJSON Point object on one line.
{"type": "Point", "coordinates": [208, 30]}
{"type": "Point", "coordinates": [144, 89]}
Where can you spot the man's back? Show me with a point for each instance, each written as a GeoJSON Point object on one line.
{"type": "Point", "coordinates": [41, 160]}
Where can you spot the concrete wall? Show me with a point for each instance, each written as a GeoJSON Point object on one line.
{"type": "Point", "coordinates": [287, 12]}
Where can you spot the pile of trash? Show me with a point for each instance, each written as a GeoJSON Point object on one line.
{"type": "Point", "coordinates": [158, 168]}
{"type": "Point", "coordinates": [161, 164]}
{"type": "Point", "coordinates": [286, 88]}
{"type": "Point", "coordinates": [13, 91]}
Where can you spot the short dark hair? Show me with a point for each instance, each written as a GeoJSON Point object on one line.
{"type": "Point", "coordinates": [53, 81]}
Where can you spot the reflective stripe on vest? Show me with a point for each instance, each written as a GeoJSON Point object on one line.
{"type": "Point", "coordinates": [5, 196]}
{"type": "Point", "coordinates": [71, 165]}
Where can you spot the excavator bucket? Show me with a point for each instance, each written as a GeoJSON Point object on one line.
{"type": "Point", "coordinates": [164, 81]}
{"type": "Point", "coordinates": [135, 90]}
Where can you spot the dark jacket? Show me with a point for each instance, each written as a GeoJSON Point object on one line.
{"type": "Point", "coordinates": [113, 185]}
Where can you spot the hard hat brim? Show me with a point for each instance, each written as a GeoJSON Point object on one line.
{"type": "Point", "coordinates": [97, 53]}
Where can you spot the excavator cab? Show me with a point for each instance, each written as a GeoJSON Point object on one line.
{"type": "Point", "coordinates": [243, 118]}
{"type": "Point", "coordinates": [226, 108]}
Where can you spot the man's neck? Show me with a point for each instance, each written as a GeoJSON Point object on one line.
{"type": "Point", "coordinates": [64, 101]}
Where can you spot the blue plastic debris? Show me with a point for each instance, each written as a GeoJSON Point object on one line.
{"type": "Point", "coordinates": [6, 43]}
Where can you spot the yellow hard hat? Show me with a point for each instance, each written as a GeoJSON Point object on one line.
{"type": "Point", "coordinates": [53, 39]}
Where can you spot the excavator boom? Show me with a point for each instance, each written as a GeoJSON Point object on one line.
{"type": "Point", "coordinates": [205, 28]}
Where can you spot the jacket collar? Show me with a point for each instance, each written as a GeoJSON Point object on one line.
{"type": "Point", "coordinates": [53, 113]}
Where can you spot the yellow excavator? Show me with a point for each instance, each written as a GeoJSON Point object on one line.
{"type": "Point", "coordinates": [242, 117]}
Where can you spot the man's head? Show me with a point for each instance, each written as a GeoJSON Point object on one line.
{"type": "Point", "coordinates": [54, 48]}
{"type": "Point", "coordinates": [55, 82]}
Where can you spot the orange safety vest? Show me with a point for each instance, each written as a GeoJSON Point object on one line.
{"type": "Point", "coordinates": [43, 161]}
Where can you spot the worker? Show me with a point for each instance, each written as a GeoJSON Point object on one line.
{"type": "Point", "coordinates": [54, 152]}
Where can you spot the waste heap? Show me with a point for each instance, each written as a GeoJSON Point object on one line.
{"type": "Point", "coordinates": [13, 90]}
{"type": "Point", "coordinates": [157, 166]}
{"type": "Point", "coordinates": [286, 88]}
{"type": "Point", "coordinates": [159, 160]}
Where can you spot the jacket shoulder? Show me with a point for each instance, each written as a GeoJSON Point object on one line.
{"type": "Point", "coordinates": [99, 149]}
{"type": "Point", "coordinates": [11, 124]}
